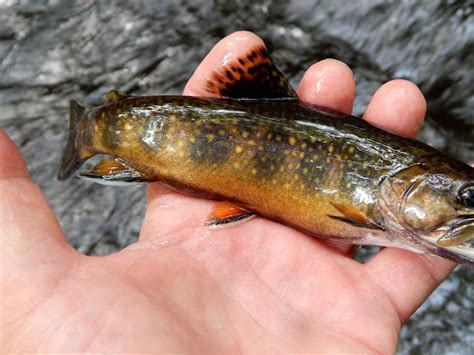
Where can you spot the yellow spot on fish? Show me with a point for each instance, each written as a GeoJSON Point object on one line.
{"type": "Point", "coordinates": [296, 177]}
{"type": "Point", "coordinates": [278, 137]}
{"type": "Point", "coordinates": [251, 142]}
{"type": "Point", "coordinates": [272, 167]}
{"type": "Point", "coordinates": [274, 181]}
{"type": "Point", "coordinates": [258, 134]}
{"type": "Point", "coordinates": [351, 149]}
{"type": "Point", "coordinates": [236, 165]}
{"type": "Point", "coordinates": [253, 171]}
{"type": "Point", "coordinates": [328, 160]}
{"type": "Point", "coordinates": [210, 137]}
{"type": "Point", "coordinates": [312, 139]}
{"type": "Point", "coordinates": [315, 157]}
{"type": "Point", "coordinates": [338, 157]}
{"type": "Point", "coordinates": [181, 154]}
{"type": "Point", "coordinates": [292, 140]}
{"type": "Point", "coordinates": [192, 140]}
{"type": "Point", "coordinates": [269, 136]}
{"type": "Point", "coordinates": [260, 148]}
{"type": "Point", "coordinates": [245, 134]}
{"type": "Point", "coordinates": [302, 155]}
{"type": "Point", "coordinates": [331, 148]}
{"type": "Point", "coordinates": [239, 149]}
{"type": "Point", "coordinates": [287, 186]}
{"type": "Point", "coordinates": [221, 132]}
{"type": "Point", "coordinates": [180, 143]}
{"type": "Point", "coordinates": [286, 152]}
{"type": "Point", "coordinates": [303, 146]}
{"type": "Point", "coordinates": [290, 166]}
{"type": "Point", "coordinates": [282, 168]}
{"type": "Point", "coordinates": [172, 118]}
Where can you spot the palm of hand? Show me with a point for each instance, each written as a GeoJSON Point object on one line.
{"type": "Point", "coordinates": [258, 286]}
{"type": "Point", "coordinates": [246, 291]}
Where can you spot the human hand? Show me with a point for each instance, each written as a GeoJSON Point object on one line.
{"type": "Point", "coordinates": [254, 287]}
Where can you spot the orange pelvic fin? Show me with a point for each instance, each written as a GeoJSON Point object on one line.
{"type": "Point", "coordinates": [225, 213]}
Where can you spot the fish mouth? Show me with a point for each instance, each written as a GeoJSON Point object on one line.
{"type": "Point", "coordinates": [454, 240]}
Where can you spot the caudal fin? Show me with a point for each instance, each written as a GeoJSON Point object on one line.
{"type": "Point", "coordinates": [72, 157]}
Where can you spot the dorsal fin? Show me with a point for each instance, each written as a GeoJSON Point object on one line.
{"type": "Point", "coordinates": [252, 75]}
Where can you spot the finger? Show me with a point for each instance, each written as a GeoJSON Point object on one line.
{"type": "Point", "coordinates": [397, 106]}
{"type": "Point", "coordinates": [329, 83]}
{"type": "Point", "coordinates": [170, 214]}
{"type": "Point", "coordinates": [33, 252]}
{"type": "Point", "coordinates": [29, 232]}
{"type": "Point", "coordinates": [407, 278]}
{"type": "Point", "coordinates": [168, 211]}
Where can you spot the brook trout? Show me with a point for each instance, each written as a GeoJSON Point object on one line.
{"type": "Point", "coordinates": [261, 149]}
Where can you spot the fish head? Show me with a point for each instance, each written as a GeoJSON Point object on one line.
{"type": "Point", "coordinates": [430, 207]}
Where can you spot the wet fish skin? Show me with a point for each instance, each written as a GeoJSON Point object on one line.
{"type": "Point", "coordinates": [324, 173]}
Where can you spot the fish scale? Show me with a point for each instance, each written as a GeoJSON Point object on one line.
{"type": "Point", "coordinates": [319, 171]}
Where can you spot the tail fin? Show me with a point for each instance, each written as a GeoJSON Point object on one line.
{"type": "Point", "coordinates": [72, 158]}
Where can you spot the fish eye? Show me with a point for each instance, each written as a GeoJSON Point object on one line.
{"type": "Point", "coordinates": [466, 196]}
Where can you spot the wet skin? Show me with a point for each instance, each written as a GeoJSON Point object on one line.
{"type": "Point", "coordinates": [321, 172]}
{"type": "Point", "coordinates": [185, 288]}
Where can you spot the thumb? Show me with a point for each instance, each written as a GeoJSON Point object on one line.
{"type": "Point", "coordinates": [32, 246]}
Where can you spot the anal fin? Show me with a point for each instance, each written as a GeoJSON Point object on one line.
{"type": "Point", "coordinates": [112, 172]}
{"type": "Point", "coordinates": [225, 213]}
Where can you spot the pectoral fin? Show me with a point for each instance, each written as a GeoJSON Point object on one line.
{"type": "Point", "coordinates": [225, 213]}
{"type": "Point", "coordinates": [112, 172]}
{"type": "Point", "coordinates": [353, 216]}
{"type": "Point", "coordinates": [252, 75]}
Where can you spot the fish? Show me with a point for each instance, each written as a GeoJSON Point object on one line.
{"type": "Point", "coordinates": [259, 150]}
